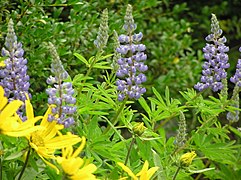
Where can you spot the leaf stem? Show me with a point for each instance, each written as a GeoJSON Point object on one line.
{"type": "Point", "coordinates": [25, 164]}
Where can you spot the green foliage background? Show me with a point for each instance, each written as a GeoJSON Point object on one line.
{"type": "Point", "coordinates": [174, 33]}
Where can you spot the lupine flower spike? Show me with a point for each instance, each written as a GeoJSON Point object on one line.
{"type": "Point", "coordinates": [236, 79]}
{"type": "Point", "coordinates": [131, 65]}
{"type": "Point", "coordinates": [213, 73]}
{"type": "Point", "coordinates": [181, 135]}
{"type": "Point", "coordinates": [61, 95]}
{"type": "Point", "coordinates": [13, 75]}
{"type": "Point", "coordinates": [103, 36]}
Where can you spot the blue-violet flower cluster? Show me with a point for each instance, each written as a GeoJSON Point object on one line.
{"type": "Point", "coordinates": [236, 79]}
{"type": "Point", "coordinates": [217, 60]}
{"type": "Point", "coordinates": [131, 65]}
{"type": "Point", "coordinates": [14, 78]}
{"type": "Point", "coordinates": [61, 94]}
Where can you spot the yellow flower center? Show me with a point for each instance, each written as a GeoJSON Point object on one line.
{"type": "Point", "coordinates": [37, 139]}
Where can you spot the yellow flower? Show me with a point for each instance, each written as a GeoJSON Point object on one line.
{"type": "Point", "coordinates": [2, 64]}
{"type": "Point", "coordinates": [74, 166]}
{"type": "Point", "coordinates": [10, 123]}
{"type": "Point", "coordinates": [48, 139]}
{"type": "Point", "coordinates": [186, 159]}
{"type": "Point", "coordinates": [144, 174]}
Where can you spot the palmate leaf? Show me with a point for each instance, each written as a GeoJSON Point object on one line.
{"type": "Point", "coordinates": [160, 108]}
{"type": "Point", "coordinates": [223, 152]}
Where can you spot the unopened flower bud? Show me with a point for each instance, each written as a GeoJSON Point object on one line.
{"type": "Point", "coordinates": [139, 129]}
{"type": "Point", "coordinates": [186, 159]}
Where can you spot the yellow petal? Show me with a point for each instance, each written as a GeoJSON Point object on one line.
{"type": "Point", "coordinates": [72, 165]}
{"type": "Point", "coordinates": [78, 151]}
{"type": "Point", "coordinates": [24, 132]}
{"type": "Point", "coordinates": [63, 141]}
{"type": "Point", "coordinates": [126, 169]}
{"type": "Point", "coordinates": [2, 64]}
{"type": "Point", "coordinates": [151, 172]}
{"type": "Point", "coordinates": [10, 109]}
{"type": "Point", "coordinates": [50, 164]}
{"type": "Point", "coordinates": [3, 100]}
{"type": "Point", "coordinates": [144, 168]}
{"type": "Point", "coordinates": [29, 109]}
{"type": "Point", "coordinates": [85, 173]}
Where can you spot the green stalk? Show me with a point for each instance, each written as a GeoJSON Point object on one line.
{"type": "Point", "coordinates": [115, 119]}
{"type": "Point", "coordinates": [129, 150]}
{"type": "Point", "coordinates": [25, 164]}
{"type": "Point", "coordinates": [177, 171]}
{"type": "Point", "coordinates": [1, 168]}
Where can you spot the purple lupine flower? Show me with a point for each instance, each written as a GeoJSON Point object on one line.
{"type": "Point", "coordinates": [217, 60]}
{"type": "Point", "coordinates": [131, 64]}
{"type": "Point", "coordinates": [61, 94]}
{"type": "Point", "coordinates": [14, 78]}
{"type": "Point", "coordinates": [236, 79]}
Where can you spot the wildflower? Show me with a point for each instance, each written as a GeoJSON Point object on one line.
{"type": "Point", "coordinates": [74, 166]}
{"type": "Point", "coordinates": [14, 78]}
{"type": "Point", "coordinates": [61, 95]}
{"type": "Point", "coordinates": [213, 73]}
{"type": "Point", "coordinates": [186, 159]}
{"type": "Point", "coordinates": [103, 36]}
{"type": "Point", "coordinates": [131, 65]}
{"type": "Point", "coordinates": [181, 135]}
{"type": "Point", "coordinates": [47, 140]}
{"type": "Point", "coordinates": [144, 174]}
{"type": "Point", "coordinates": [236, 79]}
{"type": "Point", "coordinates": [10, 122]}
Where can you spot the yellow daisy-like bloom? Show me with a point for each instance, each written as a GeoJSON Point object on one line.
{"type": "Point", "coordinates": [48, 139]}
{"type": "Point", "coordinates": [186, 159]}
{"type": "Point", "coordinates": [74, 166]}
{"type": "Point", "coordinates": [144, 174]}
{"type": "Point", "coordinates": [10, 123]}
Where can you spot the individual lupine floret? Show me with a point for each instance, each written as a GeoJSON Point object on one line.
{"type": "Point", "coordinates": [102, 36]}
{"type": "Point", "coordinates": [61, 94]}
{"type": "Point", "coordinates": [14, 78]}
{"type": "Point", "coordinates": [131, 64]}
{"type": "Point", "coordinates": [213, 72]}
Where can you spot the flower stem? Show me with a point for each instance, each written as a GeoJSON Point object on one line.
{"type": "Point", "coordinates": [115, 119]}
{"type": "Point", "coordinates": [25, 164]}
{"type": "Point", "coordinates": [177, 171]}
{"type": "Point", "coordinates": [129, 150]}
{"type": "Point", "coordinates": [1, 168]}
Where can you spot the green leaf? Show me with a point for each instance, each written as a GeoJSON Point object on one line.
{"type": "Point", "coordinates": [81, 58]}
{"type": "Point", "coordinates": [145, 106]}
{"type": "Point", "coordinates": [14, 155]}
{"type": "Point", "coordinates": [201, 170]}
{"type": "Point", "coordinates": [105, 57]}
{"type": "Point", "coordinates": [167, 96]}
